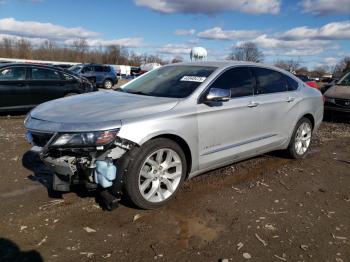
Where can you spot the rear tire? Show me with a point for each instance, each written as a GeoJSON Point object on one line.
{"type": "Point", "coordinates": [301, 139]}
{"type": "Point", "coordinates": [155, 173]}
{"type": "Point", "coordinates": [108, 84]}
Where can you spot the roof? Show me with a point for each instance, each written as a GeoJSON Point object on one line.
{"type": "Point", "coordinates": [222, 64]}
{"type": "Point", "coordinates": [31, 64]}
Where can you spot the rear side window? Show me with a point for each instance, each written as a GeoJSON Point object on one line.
{"type": "Point", "coordinates": [269, 81]}
{"type": "Point", "coordinates": [107, 69]}
{"type": "Point", "coordinates": [239, 80]}
{"type": "Point", "coordinates": [13, 73]}
{"type": "Point", "coordinates": [45, 74]}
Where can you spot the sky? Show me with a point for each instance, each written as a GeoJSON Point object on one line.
{"type": "Point", "coordinates": [314, 32]}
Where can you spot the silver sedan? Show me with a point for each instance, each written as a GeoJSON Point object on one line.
{"type": "Point", "coordinates": [173, 123]}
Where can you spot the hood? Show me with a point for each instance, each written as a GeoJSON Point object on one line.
{"type": "Point", "coordinates": [96, 111]}
{"type": "Point", "coordinates": [337, 91]}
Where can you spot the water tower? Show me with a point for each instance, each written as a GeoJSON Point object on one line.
{"type": "Point", "coordinates": [198, 54]}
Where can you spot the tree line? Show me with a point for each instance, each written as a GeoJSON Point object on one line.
{"type": "Point", "coordinates": [81, 52]}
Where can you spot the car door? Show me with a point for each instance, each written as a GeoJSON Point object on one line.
{"type": "Point", "coordinates": [277, 106]}
{"type": "Point", "coordinates": [88, 72]}
{"type": "Point", "coordinates": [228, 130]}
{"type": "Point", "coordinates": [99, 73]}
{"type": "Point", "coordinates": [46, 84]}
{"type": "Point", "coordinates": [14, 89]}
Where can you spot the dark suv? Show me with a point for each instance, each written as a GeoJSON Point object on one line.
{"type": "Point", "coordinates": [101, 75]}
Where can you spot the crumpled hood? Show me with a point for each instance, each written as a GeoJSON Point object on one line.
{"type": "Point", "coordinates": [342, 92]}
{"type": "Point", "coordinates": [96, 111]}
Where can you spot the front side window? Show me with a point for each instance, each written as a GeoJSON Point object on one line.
{"type": "Point", "coordinates": [45, 74]}
{"type": "Point", "coordinates": [98, 68]}
{"type": "Point", "coordinates": [170, 81]}
{"type": "Point", "coordinates": [87, 69]}
{"type": "Point", "coordinates": [13, 73]}
{"type": "Point", "coordinates": [75, 69]}
{"type": "Point", "coordinates": [239, 80]}
{"type": "Point", "coordinates": [269, 81]}
{"type": "Point", "coordinates": [67, 77]}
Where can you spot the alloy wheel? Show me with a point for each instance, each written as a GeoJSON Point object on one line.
{"type": "Point", "coordinates": [160, 175]}
{"type": "Point", "coordinates": [302, 138]}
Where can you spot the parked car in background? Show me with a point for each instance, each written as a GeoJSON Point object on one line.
{"type": "Point", "coordinates": [173, 123]}
{"type": "Point", "coordinates": [101, 75]}
{"type": "Point", "coordinates": [308, 81]}
{"type": "Point", "coordinates": [337, 98]}
{"type": "Point", "coordinates": [24, 86]}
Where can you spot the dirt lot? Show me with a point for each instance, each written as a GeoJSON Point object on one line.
{"type": "Point", "coordinates": [265, 209]}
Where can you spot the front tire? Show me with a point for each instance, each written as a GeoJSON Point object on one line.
{"type": "Point", "coordinates": [155, 173]}
{"type": "Point", "coordinates": [301, 139]}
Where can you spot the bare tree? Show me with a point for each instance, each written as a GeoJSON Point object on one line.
{"type": "Point", "coordinates": [289, 65]}
{"type": "Point", "coordinates": [342, 66]}
{"type": "Point", "coordinates": [247, 51]}
{"type": "Point", "coordinates": [81, 47]}
{"type": "Point", "coordinates": [24, 49]}
{"type": "Point", "coordinates": [177, 59]}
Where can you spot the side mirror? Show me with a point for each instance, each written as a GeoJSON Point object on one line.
{"type": "Point", "coordinates": [218, 95]}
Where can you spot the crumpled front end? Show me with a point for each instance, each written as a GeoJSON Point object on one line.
{"type": "Point", "coordinates": [87, 158]}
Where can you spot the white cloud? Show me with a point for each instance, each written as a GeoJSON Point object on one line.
{"type": "Point", "coordinates": [212, 7]}
{"type": "Point", "coordinates": [331, 31]}
{"type": "Point", "coordinates": [127, 42]}
{"type": "Point", "coordinates": [47, 30]}
{"type": "Point", "coordinates": [37, 33]}
{"type": "Point", "coordinates": [326, 7]}
{"type": "Point", "coordinates": [217, 33]}
{"type": "Point", "coordinates": [304, 47]}
{"type": "Point", "coordinates": [34, 41]}
{"type": "Point", "coordinates": [331, 61]}
{"type": "Point", "coordinates": [185, 32]}
{"type": "Point", "coordinates": [174, 49]}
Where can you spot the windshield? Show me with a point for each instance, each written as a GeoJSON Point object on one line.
{"type": "Point", "coordinates": [170, 81]}
{"type": "Point", "coordinates": [75, 69]}
{"type": "Point", "coordinates": [345, 81]}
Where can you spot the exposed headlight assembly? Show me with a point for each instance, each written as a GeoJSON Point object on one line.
{"type": "Point", "coordinates": [88, 139]}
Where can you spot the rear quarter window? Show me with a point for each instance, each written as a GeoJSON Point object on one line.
{"type": "Point", "coordinates": [291, 83]}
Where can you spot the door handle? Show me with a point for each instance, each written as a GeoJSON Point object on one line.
{"type": "Point", "coordinates": [21, 84]}
{"type": "Point", "coordinates": [290, 99]}
{"type": "Point", "coordinates": [253, 104]}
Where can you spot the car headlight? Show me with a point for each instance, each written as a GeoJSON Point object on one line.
{"type": "Point", "coordinates": [329, 99]}
{"type": "Point", "coordinates": [88, 139]}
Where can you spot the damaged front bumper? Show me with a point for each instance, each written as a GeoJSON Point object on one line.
{"type": "Point", "coordinates": [92, 167]}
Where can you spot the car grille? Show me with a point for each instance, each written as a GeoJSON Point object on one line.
{"type": "Point", "coordinates": [41, 139]}
{"type": "Point", "coordinates": [342, 102]}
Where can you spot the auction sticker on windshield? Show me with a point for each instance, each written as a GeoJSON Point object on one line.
{"type": "Point", "coordinates": [199, 79]}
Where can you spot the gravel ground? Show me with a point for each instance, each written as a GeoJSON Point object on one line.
{"type": "Point", "coordinates": [268, 208]}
